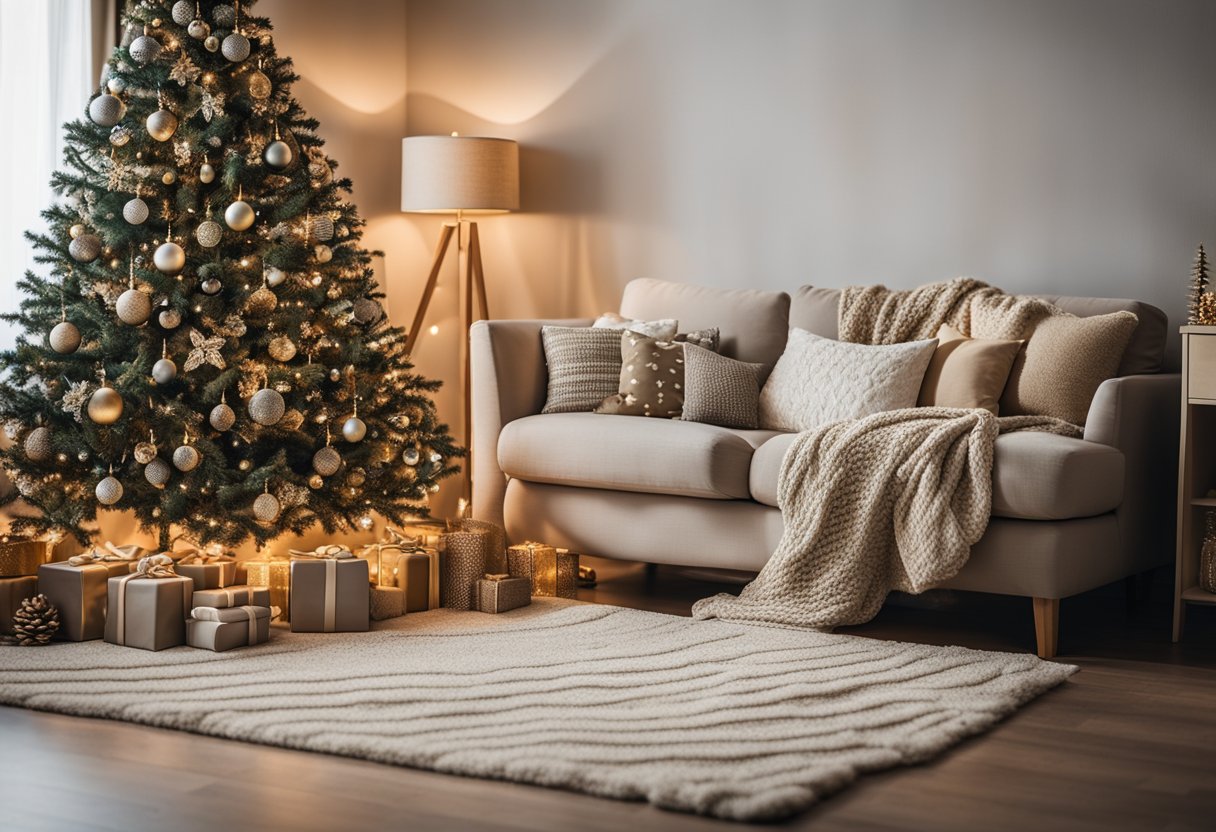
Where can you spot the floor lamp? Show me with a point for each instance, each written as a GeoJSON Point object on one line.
{"type": "Point", "coordinates": [461, 175]}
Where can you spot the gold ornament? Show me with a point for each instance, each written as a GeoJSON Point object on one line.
{"type": "Point", "coordinates": [76, 230]}
{"type": "Point", "coordinates": [259, 85]}
{"type": "Point", "coordinates": [261, 302]}
{"type": "Point", "coordinates": [134, 307]}
{"type": "Point", "coordinates": [206, 351]}
{"type": "Point", "coordinates": [161, 125]}
{"type": "Point", "coordinates": [282, 349]}
{"type": "Point", "coordinates": [157, 472]}
{"type": "Point", "coordinates": [239, 215]}
{"type": "Point", "coordinates": [38, 445]}
{"type": "Point", "coordinates": [169, 257]}
{"type": "Point", "coordinates": [105, 406]}
{"type": "Point", "coordinates": [108, 491]}
{"type": "Point", "coordinates": [85, 248]}
{"type": "Point", "coordinates": [185, 458]}
{"type": "Point", "coordinates": [64, 338]}
{"type": "Point", "coordinates": [266, 507]}
{"type": "Point", "coordinates": [326, 461]}
{"type": "Point", "coordinates": [222, 416]}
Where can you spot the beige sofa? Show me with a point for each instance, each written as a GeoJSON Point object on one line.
{"type": "Point", "coordinates": [1069, 514]}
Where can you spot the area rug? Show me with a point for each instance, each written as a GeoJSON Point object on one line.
{"type": "Point", "coordinates": [735, 721]}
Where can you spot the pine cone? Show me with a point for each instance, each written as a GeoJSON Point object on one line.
{"type": "Point", "coordinates": [36, 621]}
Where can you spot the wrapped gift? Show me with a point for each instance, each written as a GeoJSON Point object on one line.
{"type": "Point", "coordinates": [330, 591]}
{"type": "Point", "coordinates": [209, 628]}
{"type": "Point", "coordinates": [20, 557]}
{"type": "Point", "coordinates": [78, 588]}
{"type": "Point", "coordinates": [426, 532]}
{"type": "Point", "coordinates": [241, 574]}
{"type": "Point", "coordinates": [418, 571]}
{"type": "Point", "coordinates": [387, 602]}
{"type": "Point", "coordinates": [465, 554]}
{"type": "Point", "coordinates": [148, 608]}
{"type": "Point", "coordinates": [232, 596]}
{"type": "Point", "coordinates": [552, 572]}
{"type": "Point", "coordinates": [12, 592]}
{"type": "Point", "coordinates": [274, 574]}
{"type": "Point", "coordinates": [498, 592]}
{"type": "Point", "coordinates": [496, 553]}
{"type": "Point", "coordinates": [209, 567]}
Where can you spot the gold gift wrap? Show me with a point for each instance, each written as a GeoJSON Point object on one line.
{"type": "Point", "coordinates": [12, 592]}
{"type": "Point", "coordinates": [501, 593]}
{"type": "Point", "coordinates": [418, 573]}
{"type": "Point", "coordinates": [276, 576]}
{"type": "Point", "coordinates": [387, 602]}
{"type": "Point", "coordinates": [465, 554]}
{"type": "Point", "coordinates": [21, 557]}
{"type": "Point", "coordinates": [553, 572]}
{"type": "Point", "coordinates": [496, 557]}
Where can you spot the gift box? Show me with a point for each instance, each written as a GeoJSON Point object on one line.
{"type": "Point", "coordinates": [465, 555]}
{"type": "Point", "coordinates": [232, 596]}
{"type": "Point", "coordinates": [330, 592]}
{"type": "Point", "coordinates": [12, 592]}
{"type": "Point", "coordinates": [417, 572]}
{"type": "Point", "coordinates": [78, 589]}
{"type": "Point", "coordinates": [208, 570]}
{"type": "Point", "coordinates": [552, 572]}
{"type": "Point", "coordinates": [276, 576]}
{"type": "Point", "coordinates": [210, 628]}
{"type": "Point", "coordinates": [387, 602]}
{"type": "Point", "coordinates": [500, 593]}
{"type": "Point", "coordinates": [496, 552]}
{"type": "Point", "coordinates": [425, 532]}
{"type": "Point", "coordinates": [148, 608]}
{"type": "Point", "coordinates": [20, 557]}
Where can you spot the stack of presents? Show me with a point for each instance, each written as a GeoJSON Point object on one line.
{"type": "Point", "coordinates": [206, 598]}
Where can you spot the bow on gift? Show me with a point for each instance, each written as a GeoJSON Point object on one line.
{"type": "Point", "coordinates": [496, 577]}
{"type": "Point", "coordinates": [154, 566]}
{"type": "Point", "coordinates": [399, 538]}
{"type": "Point", "coordinates": [193, 553]}
{"type": "Point", "coordinates": [106, 552]}
{"type": "Point", "coordinates": [330, 552]}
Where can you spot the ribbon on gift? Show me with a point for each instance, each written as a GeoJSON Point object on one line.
{"type": "Point", "coordinates": [501, 576]}
{"type": "Point", "coordinates": [107, 552]}
{"type": "Point", "coordinates": [331, 554]}
{"type": "Point", "coordinates": [193, 554]}
{"type": "Point", "coordinates": [410, 546]}
{"type": "Point", "coordinates": [251, 615]}
{"type": "Point", "coordinates": [245, 593]}
{"type": "Point", "coordinates": [150, 568]}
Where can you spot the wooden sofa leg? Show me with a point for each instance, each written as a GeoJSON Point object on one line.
{"type": "Point", "coordinates": [1046, 625]}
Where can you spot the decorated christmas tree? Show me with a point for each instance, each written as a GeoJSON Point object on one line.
{"type": "Point", "coordinates": [1196, 314]}
{"type": "Point", "coordinates": [205, 345]}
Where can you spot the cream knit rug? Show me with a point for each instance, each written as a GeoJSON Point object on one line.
{"type": "Point", "coordinates": [736, 721]}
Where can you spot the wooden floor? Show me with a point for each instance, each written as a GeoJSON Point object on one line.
{"type": "Point", "coordinates": [1127, 743]}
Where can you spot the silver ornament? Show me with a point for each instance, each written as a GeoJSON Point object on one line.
{"type": "Point", "coordinates": [185, 458]}
{"type": "Point", "coordinates": [83, 456]}
{"type": "Point", "coordinates": [120, 135]}
{"type": "Point", "coordinates": [64, 338]}
{"type": "Point", "coordinates": [145, 49]}
{"type": "Point", "coordinates": [411, 456]}
{"type": "Point", "coordinates": [278, 154]}
{"type": "Point", "coordinates": [134, 307]}
{"type": "Point", "coordinates": [222, 417]}
{"type": "Point", "coordinates": [105, 406]}
{"type": "Point", "coordinates": [108, 491]}
{"type": "Point", "coordinates": [326, 461]}
{"type": "Point", "coordinates": [223, 15]}
{"type": "Point", "coordinates": [170, 318]}
{"type": "Point", "coordinates": [198, 29]}
{"type": "Point", "coordinates": [323, 254]}
{"type": "Point", "coordinates": [85, 249]}
{"type": "Point", "coordinates": [239, 215]}
{"type": "Point", "coordinates": [275, 276]}
{"type": "Point", "coordinates": [235, 47]}
{"type": "Point", "coordinates": [157, 472]}
{"type": "Point", "coordinates": [354, 429]}
{"type": "Point", "coordinates": [266, 407]}
{"type": "Point", "coordinates": [282, 348]}
{"type": "Point", "coordinates": [266, 508]}
{"type": "Point", "coordinates": [106, 110]}
{"type": "Point", "coordinates": [161, 125]}
{"type": "Point", "coordinates": [206, 174]}
{"type": "Point", "coordinates": [164, 371]}
{"type": "Point", "coordinates": [135, 211]}
{"type": "Point", "coordinates": [183, 12]}
{"type": "Point", "coordinates": [208, 233]}
{"type": "Point", "coordinates": [261, 302]}
{"type": "Point", "coordinates": [211, 286]}
{"type": "Point", "coordinates": [212, 43]}
{"type": "Point", "coordinates": [145, 452]}
{"type": "Point", "coordinates": [335, 374]}
{"type": "Point", "coordinates": [321, 228]}
{"type": "Point", "coordinates": [115, 84]}
{"type": "Point", "coordinates": [38, 445]}
{"type": "Point", "coordinates": [366, 311]}
{"type": "Point", "coordinates": [169, 258]}
{"type": "Point", "coordinates": [259, 85]}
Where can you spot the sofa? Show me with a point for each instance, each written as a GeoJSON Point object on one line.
{"type": "Point", "coordinates": [1068, 515]}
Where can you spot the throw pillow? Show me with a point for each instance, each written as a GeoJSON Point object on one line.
{"type": "Point", "coordinates": [707, 339]}
{"type": "Point", "coordinates": [720, 390]}
{"type": "Point", "coordinates": [663, 329]}
{"type": "Point", "coordinates": [584, 366]}
{"type": "Point", "coordinates": [651, 380]}
{"type": "Point", "coordinates": [818, 380]}
{"type": "Point", "coordinates": [1064, 361]}
{"type": "Point", "coordinates": [967, 372]}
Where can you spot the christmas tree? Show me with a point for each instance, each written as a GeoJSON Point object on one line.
{"type": "Point", "coordinates": [206, 347]}
{"type": "Point", "coordinates": [1199, 285]}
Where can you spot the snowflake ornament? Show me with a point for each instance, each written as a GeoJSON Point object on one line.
{"type": "Point", "coordinates": [206, 351]}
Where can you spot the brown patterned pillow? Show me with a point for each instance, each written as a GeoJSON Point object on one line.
{"type": "Point", "coordinates": [651, 381]}
{"type": "Point", "coordinates": [720, 390]}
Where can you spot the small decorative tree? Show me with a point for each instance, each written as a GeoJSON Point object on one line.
{"type": "Point", "coordinates": [1199, 286]}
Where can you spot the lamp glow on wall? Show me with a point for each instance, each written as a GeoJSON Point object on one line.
{"type": "Point", "coordinates": [458, 175]}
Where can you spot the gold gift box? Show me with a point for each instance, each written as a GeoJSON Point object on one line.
{"type": "Point", "coordinates": [21, 556]}
{"type": "Point", "coordinates": [553, 572]}
{"type": "Point", "coordinates": [276, 575]}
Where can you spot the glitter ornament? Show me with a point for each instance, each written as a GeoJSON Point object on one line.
{"type": "Point", "coordinates": [321, 228]}
{"type": "Point", "coordinates": [64, 338]}
{"type": "Point", "coordinates": [145, 452]}
{"type": "Point", "coordinates": [239, 215]}
{"type": "Point", "coordinates": [120, 135]}
{"type": "Point", "coordinates": [212, 43]}
{"type": "Point", "coordinates": [135, 211]}
{"type": "Point", "coordinates": [116, 84]}
{"type": "Point", "coordinates": [222, 417]}
{"type": "Point", "coordinates": [105, 406]}
{"type": "Point", "coordinates": [326, 461]}
{"type": "Point", "coordinates": [183, 12]}
{"type": "Point", "coordinates": [266, 407]}
{"type": "Point", "coordinates": [354, 429]}
{"type": "Point", "coordinates": [323, 254]}
{"type": "Point", "coordinates": [282, 348]}
{"type": "Point", "coordinates": [261, 302]}
{"type": "Point", "coordinates": [206, 173]}
{"type": "Point", "coordinates": [185, 458]}
{"type": "Point", "coordinates": [106, 110]}
{"type": "Point", "coordinates": [145, 49]}
{"type": "Point", "coordinates": [266, 507]}
{"type": "Point", "coordinates": [198, 29]}
{"type": "Point", "coordinates": [85, 248]}
{"type": "Point", "coordinates": [208, 233]}
{"type": "Point", "coordinates": [108, 491]}
{"type": "Point", "coordinates": [164, 371]}
{"type": "Point", "coordinates": [133, 307]}
{"type": "Point", "coordinates": [157, 472]}
{"type": "Point", "coordinates": [366, 311]}
{"type": "Point", "coordinates": [38, 445]}
{"type": "Point", "coordinates": [211, 286]}
{"type": "Point", "coordinates": [235, 47]}
{"type": "Point", "coordinates": [315, 481]}
{"type": "Point", "coordinates": [259, 85]}
{"type": "Point", "coordinates": [169, 318]}
{"type": "Point", "coordinates": [277, 154]}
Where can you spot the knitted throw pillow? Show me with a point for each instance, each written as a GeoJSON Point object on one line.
{"type": "Point", "coordinates": [720, 390]}
{"type": "Point", "coordinates": [651, 381]}
{"type": "Point", "coordinates": [584, 367]}
{"type": "Point", "coordinates": [663, 329]}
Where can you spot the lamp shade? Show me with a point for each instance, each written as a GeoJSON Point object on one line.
{"type": "Point", "coordinates": [446, 174]}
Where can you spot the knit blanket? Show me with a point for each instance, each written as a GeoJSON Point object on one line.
{"type": "Point", "coordinates": [892, 501]}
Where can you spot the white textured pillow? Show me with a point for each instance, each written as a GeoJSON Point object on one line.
{"type": "Point", "coordinates": [818, 380]}
{"type": "Point", "coordinates": [663, 329]}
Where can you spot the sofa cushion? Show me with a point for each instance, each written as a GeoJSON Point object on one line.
{"type": "Point", "coordinates": [1035, 475]}
{"type": "Point", "coordinates": [656, 456]}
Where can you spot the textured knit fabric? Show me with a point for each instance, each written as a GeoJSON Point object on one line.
{"type": "Point", "coordinates": [720, 390]}
{"type": "Point", "coordinates": [737, 722]}
{"type": "Point", "coordinates": [651, 381]}
{"type": "Point", "coordinates": [663, 329]}
{"type": "Point", "coordinates": [584, 366]}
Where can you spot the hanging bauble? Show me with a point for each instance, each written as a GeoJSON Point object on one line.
{"type": "Point", "coordinates": [183, 12]}
{"type": "Point", "coordinates": [135, 211]}
{"type": "Point", "coordinates": [38, 445]}
{"type": "Point", "coordinates": [108, 491]}
{"type": "Point", "coordinates": [326, 461]}
{"type": "Point", "coordinates": [76, 230]}
{"type": "Point", "coordinates": [366, 311]}
{"type": "Point", "coordinates": [169, 177]}
{"type": "Point", "coordinates": [157, 472]}
{"type": "Point", "coordinates": [120, 135]}
{"type": "Point", "coordinates": [315, 481]}
{"type": "Point", "coordinates": [145, 452]}
{"type": "Point", "coordinates": [85, 249]}
{"type": "Point", "coordinates": [133, 307]}
{"type": "Point", "coordinates": [161, 125]}
{"type": "Point", "coordinates": [198, 29]}
{"type": "Point", "coordinates": [208, 233]}
{"type": "Point", "coordinates": [115, 84]}
{"type": "Point", "coordinates": [292, 419]}
{"type": "Point", "coordinates": [206, 173]}
{"type": "Point", "coordinates": [261, 302]}
{"type": "Point", "coordinates": [222, 417]}
{"type": "Point", "coordinates": [266, 407]}
{"type": "Point", "coordinates": [321, 228]}
{"type": "Point", "coordinates": [211, 286]}
{"type": "Point", "coordinates": [212, 43]}
{"type": "Point", "coordinates": [266, 508]}
{"type": "Point", "coordinates": [64, 338]}
{"type": "Point", "coordinates": [185, 458]}
{"type": "Point", "coordinates": [164, 371]}
{"type": "Point", "coordinates": [144, 49]}
{"type": "Point", "coordinates": [411, 456]}
{"type": "Point", "coordinates": [354, 429]}
{"type": "Point", "coordinates": [239, 215]}
{"type": "Point", "coordinates": [282, 348]}
{"type": "Point", "coordinates": [169, 258]}
{"type": "Point", "coordinates": [277, 154]}
{"type": "Point", "coordinates": [105, 406]}
{"type": "Point", "coordinates": [275, 276]}
{"type": "Point", "coordinates": [323, 254]}
{"type": "Point", "coordinates": [169, 318]}
{"type": "Point", "coordinates": [259, 85]}
{"type": "Point", "coordinates": [235, 47]}
{"type": "Point", "coordinates": [223, 15]}
{"type": "Point", "coordinates": [356, 477]}
{"type": "Point", "coordinates": [106, 110]}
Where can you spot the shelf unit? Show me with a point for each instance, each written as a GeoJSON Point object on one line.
{"type": "Point", "coordinates": [1196, 466]}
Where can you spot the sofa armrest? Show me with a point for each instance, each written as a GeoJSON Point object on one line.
{"type": "Point", "coordinates": [508, 381]}
{"type": "Point", "coordinates": [1139, 416]}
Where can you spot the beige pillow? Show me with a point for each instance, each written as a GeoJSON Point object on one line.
{"type": "Point", "coordinates": [663, 329]}
{"type": "Point", "coordinates": [1063, 363]}
{"type": "Point", "coordinates": [720, 390]}
{"type": "Point", "coordinates": [651, 381]}
{"type": "Point", "coordinates": [967, 372]}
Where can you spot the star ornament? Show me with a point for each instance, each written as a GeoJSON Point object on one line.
{"type": "Point", "coordinates": [206, 351]}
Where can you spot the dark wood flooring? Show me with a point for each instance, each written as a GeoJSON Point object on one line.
{"type": "Point", "coordinates": [1127, 743]}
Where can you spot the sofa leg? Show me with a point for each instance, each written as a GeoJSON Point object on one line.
{"type": "Point", "coordinates": [1046, 625]}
